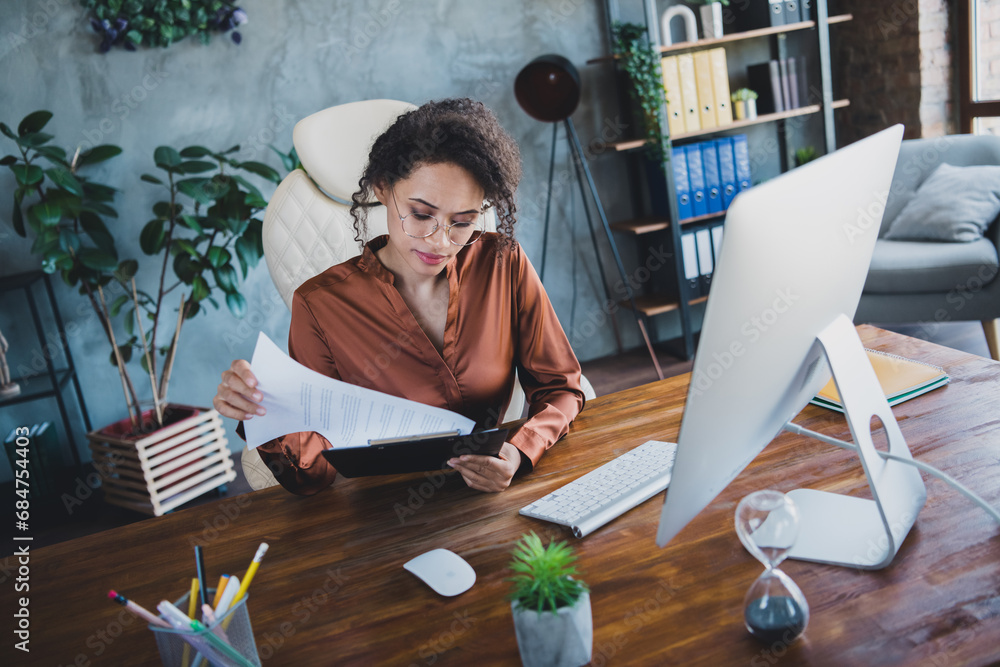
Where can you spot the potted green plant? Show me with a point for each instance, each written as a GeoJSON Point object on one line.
{"type": "Point", "coordinates": [805, 154]}
{"type": "Point", "coordinates": [641, 63]}
{"type": "Point", "coordinates": [551, 608]}
{"type": "Point", "coordinates": [711, 17]}
{"type": "Point", "coordinates": [745, 104]}
{"type": "Point", "coordinates": [204, 225]}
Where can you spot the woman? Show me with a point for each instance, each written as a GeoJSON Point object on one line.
{"type": "Point", "coordinates": [437, 311]}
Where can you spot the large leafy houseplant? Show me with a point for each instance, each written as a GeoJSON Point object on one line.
{"type": "Point", "coordinates": [205, 223]}
{"type": "Point", "coordinates": [641, 63]}
{"type": "Point", "coordinates": [551, 608]}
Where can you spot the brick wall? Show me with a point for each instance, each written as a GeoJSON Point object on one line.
{"type": "Point", "coordinates": [894, 63]}
{"type": "Point", "coordinates": [937, 104]}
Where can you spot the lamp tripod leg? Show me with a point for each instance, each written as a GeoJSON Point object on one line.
{"type": "Point", "coordinates": [548, 203]}
{"type": "Point", "coordinates": [583, 171]}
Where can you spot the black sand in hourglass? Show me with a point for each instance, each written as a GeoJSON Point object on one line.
{"type": "Point", "coordinates": [775, 619]}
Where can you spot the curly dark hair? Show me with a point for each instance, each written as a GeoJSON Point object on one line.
{"type": "Point", "coordinates": [459, 131]}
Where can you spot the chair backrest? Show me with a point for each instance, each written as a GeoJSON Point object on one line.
{"type": "Point", "coordinates": [919, 157]}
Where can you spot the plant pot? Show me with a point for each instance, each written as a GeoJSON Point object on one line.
{"type": "Point", "coordinates": [745, 109]}
{"type": "Point", "coordinates": [157, 469]}
{"type": "Point", "coordinates": [561, 638]}
{"type": "Point", "coordinates": [711, 20]}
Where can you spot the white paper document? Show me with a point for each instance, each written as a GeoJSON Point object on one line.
{"type": "Point", "coordinates": [299, 399]}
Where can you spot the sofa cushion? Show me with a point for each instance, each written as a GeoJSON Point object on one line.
{"type": "Point", "coordinates": [921, 267]}
{"type": "Point", "coordinates": [953, 204]}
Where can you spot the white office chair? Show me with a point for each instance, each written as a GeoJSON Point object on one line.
{"type": "Point", "coordinates": [308, 225]}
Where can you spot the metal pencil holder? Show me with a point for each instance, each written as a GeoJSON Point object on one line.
{"type": "Point", "coordinates": [179, 648]}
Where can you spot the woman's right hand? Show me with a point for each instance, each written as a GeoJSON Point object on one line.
{"type": "Point", "coordinates": [237, 396]}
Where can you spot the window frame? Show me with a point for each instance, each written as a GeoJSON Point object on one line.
{"type": "Point", "coordinates": [969, 109]}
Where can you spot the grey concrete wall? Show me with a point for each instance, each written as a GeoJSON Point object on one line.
{"type": "Point", "coordinates": [297, 57]}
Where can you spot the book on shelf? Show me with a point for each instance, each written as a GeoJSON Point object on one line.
{"type": "Point", "coordinates": [756, 14]}
{"type": "Point", "coordinates": [901, 379]}
{"type": "Point", "coordinates": [720, 86]}
{"type": "Point", "coordinates": [765, 79]}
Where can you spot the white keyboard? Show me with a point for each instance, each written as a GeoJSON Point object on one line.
{"type": "Point", "coordinates": [589, 502]}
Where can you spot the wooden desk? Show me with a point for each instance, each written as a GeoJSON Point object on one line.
{"type": "Point", "coordinates": [332, 589]}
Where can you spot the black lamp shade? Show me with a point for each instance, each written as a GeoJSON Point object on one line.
{"type": "Point", "coordinates": [548, 88]}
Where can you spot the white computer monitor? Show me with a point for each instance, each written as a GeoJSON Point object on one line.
{"type": "Point", "coordinates": [794, 258]}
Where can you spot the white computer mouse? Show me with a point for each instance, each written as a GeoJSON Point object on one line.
{"type": "Point", "coordinates": [444, 571]}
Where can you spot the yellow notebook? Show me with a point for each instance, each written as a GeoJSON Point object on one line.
{"type": "Point", "coordinates": [901, 380]}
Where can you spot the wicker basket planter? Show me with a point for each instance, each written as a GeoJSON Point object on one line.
{"type": "Point", "coordinates": [156, 471]}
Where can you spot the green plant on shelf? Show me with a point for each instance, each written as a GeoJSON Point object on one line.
{"type": "Point", "coordinates": [805, 154]}
{"type": "Point", "coordinates": [641, 63]}
{"type": "Point", "coordinates": [743, 95]}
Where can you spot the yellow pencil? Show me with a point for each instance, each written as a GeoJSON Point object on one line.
{"type": "Point", "coordinates": [192, 606]}
{"type": "Point", "coordinates": [251, 571]}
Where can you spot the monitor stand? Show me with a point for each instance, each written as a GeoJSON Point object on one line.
{"type": "Point", "coordinates": [849, 531]}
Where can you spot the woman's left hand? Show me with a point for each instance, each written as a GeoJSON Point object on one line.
{"type": "Point", "coordinates": [488, 473]}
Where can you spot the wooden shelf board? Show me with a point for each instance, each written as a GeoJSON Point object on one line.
{"type": "Point", "coordinates": [641, 225]}
{"type": "Point", "coordinates": [738, 36]}
{"type": "Point", "coordinates": [735, 125]}
{"type": "Point", "coordinates": [702, 218]}
{"type": "Point", "coordinates": [653, 304]}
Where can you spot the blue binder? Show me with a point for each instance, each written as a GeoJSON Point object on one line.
{"type": "Point", "coordinates": [681, 183]}
{"type": "Point", "coordinates": [713, 183]}
{"type": "Point", "coordinates": [727, 170]}
{"type": "Point", "coordinates": [696, 177]}
{"type": "Point", "coordinates": [741, 153]}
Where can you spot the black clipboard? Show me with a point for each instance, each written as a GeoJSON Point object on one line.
{"type": "Point", "coordinates": [417, 454]}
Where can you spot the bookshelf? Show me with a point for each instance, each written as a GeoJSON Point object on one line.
{"type": "Point", "coordinates": [812, 36]}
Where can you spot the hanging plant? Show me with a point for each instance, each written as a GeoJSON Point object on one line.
{"type": "Point", "coordinates": [641, 63]}
{"type": "Point", "coordinates": [133, 23]}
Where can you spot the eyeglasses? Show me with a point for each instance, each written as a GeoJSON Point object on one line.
{"type": "Point", "coordinates": [421, 225]}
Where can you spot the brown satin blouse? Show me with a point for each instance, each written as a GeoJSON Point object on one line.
{"type": "Point", "coordinates": [350, 323]}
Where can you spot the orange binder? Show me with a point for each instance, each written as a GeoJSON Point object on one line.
{"type": "Point", "coordinates": [901, 380]}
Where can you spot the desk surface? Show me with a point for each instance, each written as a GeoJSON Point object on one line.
{"type": "Point", "coordinates": [332, 589]}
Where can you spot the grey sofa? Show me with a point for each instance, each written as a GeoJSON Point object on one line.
{"type": "Point", "coordinates": [932, 282]}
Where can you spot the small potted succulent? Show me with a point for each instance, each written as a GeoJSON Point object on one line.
{"type": "Point", "coordinates": [551, 608]}
{"type": "Point", "coordinates": [745, 104]}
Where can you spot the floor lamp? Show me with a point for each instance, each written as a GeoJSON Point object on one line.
{"type": "Point", "coordinates": [548, 89]}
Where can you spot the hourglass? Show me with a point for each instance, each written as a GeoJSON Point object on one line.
{"type": "Point", "coordinates": [775, 610]}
